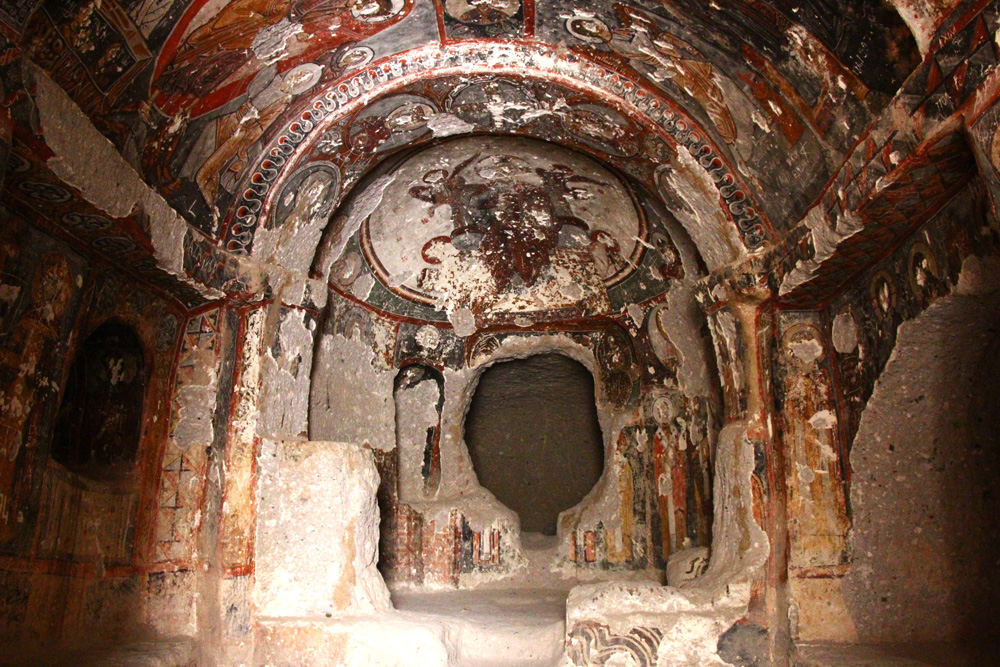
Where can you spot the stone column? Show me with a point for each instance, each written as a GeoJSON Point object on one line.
{"type": "Point", "coordinates": [178, 559]}
{"type": "Point", "coordinates": [268, 401]}
{"type": "Point", "coordinates": [742, 327]}
{"type": "Point", "coordinates": [230, 506]}
{"type": "Point", "coordinates": [317, 544]}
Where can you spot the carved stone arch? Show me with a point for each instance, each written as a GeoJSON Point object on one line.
{"type": "Point", "coordinates": [418, 394]}
{"type": "Point", "coordinates": [656, 115]}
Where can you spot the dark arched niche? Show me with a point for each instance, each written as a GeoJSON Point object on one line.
{"type": "Point", "coordinates": [534, 437]}
{"type": "Point", "coordinates": [100, 418]}
{"type": "Point", "coordinates": [418, 393]}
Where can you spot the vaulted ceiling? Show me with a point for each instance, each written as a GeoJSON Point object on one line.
{"type": "Point", "coordinates": [734, 116]}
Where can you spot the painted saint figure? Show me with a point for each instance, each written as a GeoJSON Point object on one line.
{"type": "Point", "coordinates": [518, 213]}
{"type": "Point", "coordinates": [240, 70]}
{"type": "Point", "coordinates": [234, 45]}
{"type": "Point", "coordinates": [663, 57]}
{"type": "Point", "coordinates": [20, 404]}
{"type": "Point", "coordinates": [237, 132]}
{"type": "Point", "coordinates": [418, 394]}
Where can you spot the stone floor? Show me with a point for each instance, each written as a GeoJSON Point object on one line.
{"type": "Point", "coordinates": [152, 653]}
{"type": "Point", "coordinates": [520, 622]}
{"type": "Point", "coordinates": [494, 628]}
{"type": "Point", "coordinates": [900, 655]}
{"type": "Point", "coordinates": [517, 622]}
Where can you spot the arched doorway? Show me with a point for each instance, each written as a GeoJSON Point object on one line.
{"type": "Point", "coordinates": [534, 437]}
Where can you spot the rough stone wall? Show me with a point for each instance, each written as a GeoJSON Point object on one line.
{"type": "Point", "coordinates": [354, 375]}
{"type": "Point", "coordinates": [658, 476]}
{"type": "Point", "coordinates": [534, 438]}
{"type": "Point", "coordinates": [467, 254]}
{"type": "Point", "coordinates": [854, 342]}
{"type": "Point", "coordinates": [863, 320]}
{"type": "Point", "coordinates": [924, 488]}
{"type": "Point", "coordinates": [352, 378]}
{"type": "Point", "coordinates": [666, 102]}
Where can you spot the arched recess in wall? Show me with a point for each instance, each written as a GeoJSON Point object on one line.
{"type": "Point", "coordinates": [100, 418]}
{"type": "Point", "coordinates": [418, 394]}
{"type": "Point", "coordinates": [534, 437]}
{"type": "Point", "coordinates": [473, 251]}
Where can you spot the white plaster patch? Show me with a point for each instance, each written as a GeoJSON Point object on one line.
{"type": "Point", "coordinates": [286, 379]}
{"type": "Point", "coordinates": [923, 18]}
{"type": "Point", "coordinates": [636, 313]}
{"type": "Point", "coordinates": [446, 125]}
{"type": "Point", "coordinates": [683, 325]}
{"type": "Point", "coordinates": [269, 44]}
{"type": "Point", "coordinates": [351, 399]}
{"type": "Point", "coordinates": [807, 350]}
{"type": "Point", "coordinates": [428, 337]}
{"type": "Point", "coordinates": [416, 414]}
{"type": "Point", "coordinates": [362, 287]}
{"type": "Point", "coordinates": [686, 565]}
{"type": "Point", "coordinates": [823, 420]}
{"type": "Point", "coordinates": [464, 321]}
{"type": "Point", "coordinates": [727, 338]}
{"type": "Point", "coordinates": [343, 227]}
{"type": "Point", "coordinates": [827, 235]}
{"type": "Point", "coordinates": [760, 121]}
{"type": "Point", "coordinates": [845, 333]}
{"type": "Point", "coordinates": [115, 188]}
{"type": "Point", "coordinates": [716, 238]}
{"type": "Point", "coordinates": [692, 640]}
{"type": "Point", "coordinates": [293, 244]}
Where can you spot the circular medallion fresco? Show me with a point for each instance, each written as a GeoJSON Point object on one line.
{"type": "Point", "coordinates": [514, 215]}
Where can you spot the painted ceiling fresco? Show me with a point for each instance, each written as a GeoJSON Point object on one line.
{"type": "Point", "coordinates": [508, 227]}
{"type": "Point", "coordinates": [502, 214]}
{"type": "Point", "coordinates": [221, 105]}
{"type": "Point", "coordinates": [351, 139]}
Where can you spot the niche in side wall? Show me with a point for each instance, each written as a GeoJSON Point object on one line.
{"type": "Point", "coordinates": [418, 393]}
{"type": "Point", "coordinates": [100, 418]}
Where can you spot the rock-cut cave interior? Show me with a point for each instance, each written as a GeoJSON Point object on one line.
{"type": "Point", "coordinates": [499, 333]}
